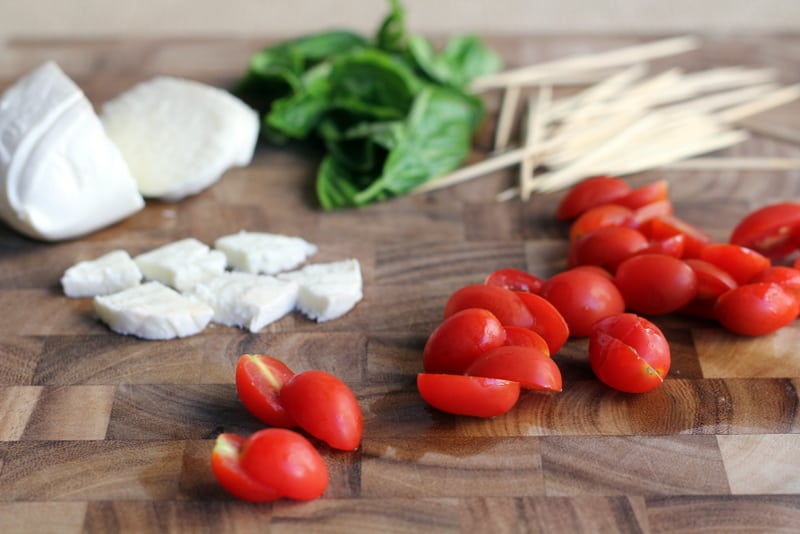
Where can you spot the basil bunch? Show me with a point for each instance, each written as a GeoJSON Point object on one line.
{"type": "Point", "coordinates": [390, 111]}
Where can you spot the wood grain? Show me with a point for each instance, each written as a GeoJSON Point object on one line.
{"type": "Point", "coordinates": [104, 433]}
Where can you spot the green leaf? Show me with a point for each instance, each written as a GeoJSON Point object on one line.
{"type": "Point", "coordinates": [463, 59]}
{"type": "Point", "coordinates": [391, 35]}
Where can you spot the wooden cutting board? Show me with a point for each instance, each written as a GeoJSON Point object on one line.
{"type": "Point", "coordinates": [104, 433]}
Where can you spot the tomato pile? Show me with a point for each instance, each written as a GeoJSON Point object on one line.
{"type": "Point", "coordinates": [629, 256]}
{"type": "Point", "coordinates": [279, 462]}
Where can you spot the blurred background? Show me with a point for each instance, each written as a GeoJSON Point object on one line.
{"type": "Point", "coordinates": [21, 19]}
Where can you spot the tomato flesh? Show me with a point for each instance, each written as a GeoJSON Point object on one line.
{"type": "Point", "coordinates": [259, 379]}
{"type": "Point", "coordinates": [475, 396]}
{"type": "Point", "coordinates": [771, 230]}
{"type": "Point", "coordinates": [531, 368]}
{"type": "Point", "coordinates": [460, 339]}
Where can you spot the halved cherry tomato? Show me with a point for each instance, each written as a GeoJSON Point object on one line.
{"type": "Point", "coordinates": [644, 195]}
{"type": "Point", "coordinates": [629, 353]}
{"type": "Point", "coordinates": [270, 464]}
{"type": "Point", "coordinates": [784, 276]}
{"type": "Point", "coordinates": [599, 217]}
{"type": "Point", "coordinates": [582, 297]}
{"type": "Point", "coordinates": [659, 228]}
{"type": "Point", "coordinates": [547, 321]}
{"type": "Point", "coordinates": [325, 407]}
{"type": "Point", "coordinates": [518, 336]}
{"type": "Point", "coordinates": [756, 309]}
{"type": "Point", "coordinates": [740, 262]}
{"type": "Point", "coordinates": [658, 208]}
{"type": "Point", "coordinates": [515, 280]}
{"type": "Point", "coordinates": [589, 193]}
{"type": "Point", "coordinates": [655, 284]}
{"type": "Point", "coordinates": [771, 230]}
{"type": "Point", "coordinates": [532, 368]}
{"type": "Point", "coordinates": [608, 247]}
{"type": "Point", "coordinates": [259, 379]}
{"type": "Point", "coordinates": [711, 280]}
{"type": "Point", "coordinates": [670, 246]}
{"type": "Point", "coordinates": [460, 339]}
{"type": "Point", "coordinates": [503, 303]}
{"type": "Point", "coordinates": [476, 396]}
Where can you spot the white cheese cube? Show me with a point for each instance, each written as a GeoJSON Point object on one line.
{"type": "Point", "coordinates": [263, 253]}
{"type": "Point", "coordinates": [327, 290]}
{"type": "Point", "coordinates": [107, 274]}
{"type": "Point", "coordinates": [60, 175]}
{"type": "Point", "coordinates": [246, 300]}
{"type": "Point", "coordinates": [181, 264]}
{"type": "Point", "coordinates": [152, 311]}
{"type": "Point", "coordinates": [179, 136]}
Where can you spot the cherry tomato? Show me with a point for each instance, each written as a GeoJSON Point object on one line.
{"type": "Point", "coordinates": [589, 193]}
{"type": "Point", "coordinates": [655, 284]}
{"type": "Point", "coordinates": [644, 195]}
{"type": "Point", "coordinates": [659, 228]}
{"type": "Point", "coordinates": [740, 262]}
{"type": "Point", "coordinates": [547, 321]}
{"type": "Point", "coordinates": [609, 246]}
{"type": "Point", "coordinates": [629, 353]}
{"type": "Point", "coordinates": [460, 339]}
{"type": "Point", "coordinates": [515, 280]}
{"type": "Point", "coordinates": [670, 246]}
{"type": "Point", "coordinates": [503, 303]}
{"type": "Point", "coordinates": [476, 396]}
{"type": "Point", "coordinates": [583, 297]}
{"type": "Point", "coordinates": [270, 464]}
{"type": "Point", "coordinates": [658, 208]}
{"type": "Point", "coordinates": [711, 280]}
{"type": "Point", "coordinates": [599, 217]}
{"type": "Point", "coordinates": [786, 277]}
{"type": "Point", "coordinates": [531, 368]}
{"type": "Point", "coordinates": [771, 230]}
{"type": "Point", "coordinates": [324, 406]}
{"type": "Point", "coordinates": [525, 337]}
{"type": "Point", "coordinates": [259, 380]}
{"type": "Point", "coordinates": [756, 309]}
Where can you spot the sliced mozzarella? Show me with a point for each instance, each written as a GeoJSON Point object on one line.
{"type": "Point", "coordinates": [181, 264]}
{"type": "Point", "coordinates": [256, 252]}
{"type": "Point", "coordinates": [107, 274]}
{"type": "Point", "coordinates": [60, 175]}
{"type": "Point", "coordinates": [327, 290]}
{"type": "Point", "coordinates": [179, 136]}
{"type": "Point", "coordinates": [246, 300]}
{"type": "Point", "coordinates": [153, 311]}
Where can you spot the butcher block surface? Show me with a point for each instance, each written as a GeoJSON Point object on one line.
{"type": "Point", "coordinates": [106, 433]}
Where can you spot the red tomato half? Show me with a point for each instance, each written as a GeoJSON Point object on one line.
{"type": "Point", "coordinates": [460, 339]}
{"type": "Point", "coordinates": [599, 217]}
{"type": "Point", "coordinates": [670, 246]}
{"type": "Point", "coordinates": [711, 280]}
{"type": "Point", "coordinates": [771, 230]}
{"type": "Point", "coordinates": [547, 321]}
{"type": "Point", "coordinates": [517, 336]}
{"type": "Point", "coordinates": [502, 302]}
{"type": "Point", "coordinates": [531, 368]}
{"type": "Point", "coordinates": [583, 297]}
{"type": "Point", "coordinates": [324, 407]}
{"type": "Point", "coordinates": [594, 191]}
{"type": "Point", "coordinates": [476, 396]}
{"type": "Point", "coordinates": [609, 246]}
{"type": "Point", "coordinates": [658, 208]}
{"type": "Point", "coordinates": [646, 194]}
{"type": "Point", "coordinates": [659, 228]}
{"type": "Point", "coordinates": [655, 284]}
{"type": "Point", "coordinates": [786, 277]}
{"type": "Point", "coordinates": [259, 380]}
{"type": "Point", "coordinates": [756, 309]}
{"type": "Point", "coordinates": [629, 353]}
{"type": "Point", "coordinates": [515, 280]}
{"type": "Point", "coordinates": [740, 262]}
{"type": "Point", "coordinates": [228, 471]}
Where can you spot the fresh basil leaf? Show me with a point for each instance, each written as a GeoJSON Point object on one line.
{"type": "Point", "coordinates": [391, 35]}
{"type": "Point", "coordinates": [463, 59]}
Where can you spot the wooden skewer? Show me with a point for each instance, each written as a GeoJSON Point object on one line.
{"type": "Point", "coordinates": [468, 172]}
{"type": "Point", "coordinates": [505, 119]}
{"type": "Point", "coordinates": [777, 164]}
{"type": "Point", "coordinates": [770, 100]}
{"type": "Point", "coordinates": [536, 124]}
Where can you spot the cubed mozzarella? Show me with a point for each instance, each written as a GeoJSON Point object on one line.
{"type": "Point", "coordinates": [179, 136]}
{"type": "Point", "coordinates": [327, 290]}
{"type": "Point", "coordinates": [246, 300]}
{"type": "Point", "coordinates": [264, 253]}
{"type": "Point", "coordinates": [110, 273]}
{"type": "Point", "coordinates": [181, 264]}
{"type": "Point", "coordinates": [60, 175]}
{"type": "Point", "coordinates": [153, 311]}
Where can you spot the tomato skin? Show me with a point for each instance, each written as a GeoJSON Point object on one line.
{"type": "Point", "coordinates": [531, 368]}
{"type": "Point", "coordinates": [475, 396]}
{"type": "Point", "coordinates": [740, 262]}
{"type": "Point", "coordinates": [547, 321]}
{"type": "Point", "coordinates": [659, 228]}
{"type": "Point", "coordinates": [259, 379]}
{"type": "Point", "coordinates": [670, 246]}
{"type": "Point", "coordinates": [771, 230]}
{"type": "Point", "coordinates": [786, 277]}
{"type": "Point", "coordinates": [599, 217]}
{"type": "Point", "coordinates": [654, 284]}
{"type": "Point", "coordinates": [503, 303]}
{"type": "Point", "coordinates": [228, 471]}
{"type": "Point", "coordinates": [324, 407]}
{"type": "Point", "coordinates": [460, 339]}
{"type": "Point", "coordinates": [583, 297]}
{"type": "Point", "coordinates": [516, 336]}
{"type": "Point", "coordinates": [629, 353]}
{"type": "Point", "coordinates": [589, 193]}
{"type": "Point", "coordinates": [711, 280]}
{"type": "Point", "coordinates": [284, 460]}
{"type": "Point", "coordinates": [609, 246]}
{"type": "Point", "coordinates": [657, 208]}
{"type": "Point", "coordinates": [647, 194]}
{"type": "Point", "coordinates": [756, 309]}
{"type": "Point", "coordinates": [515, 280]}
